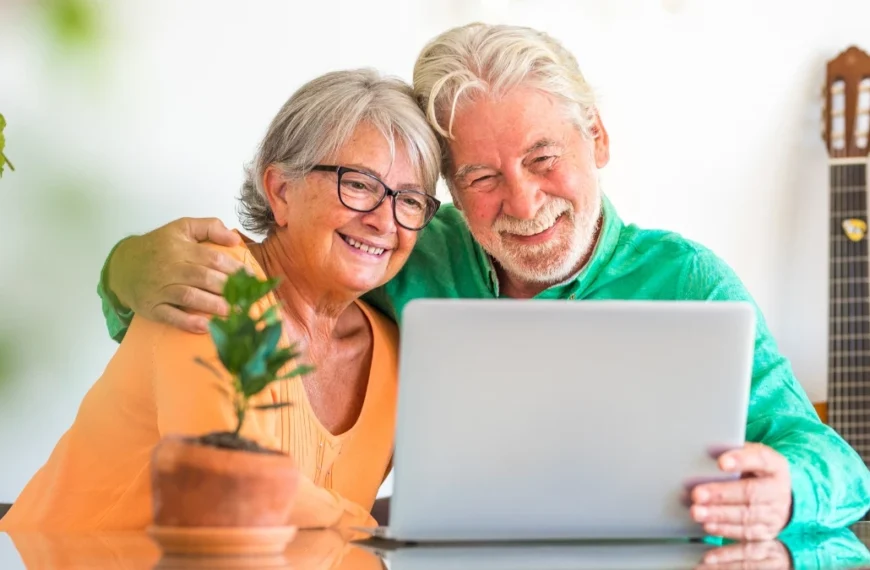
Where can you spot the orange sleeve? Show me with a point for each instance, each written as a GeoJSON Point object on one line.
{"type": "Point", "coordinates": [191, 400]}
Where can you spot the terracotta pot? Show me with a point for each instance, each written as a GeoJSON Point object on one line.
{"type": "Point", "coordinates": [196, 485]}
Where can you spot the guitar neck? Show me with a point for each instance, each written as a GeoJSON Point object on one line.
{"type": "Point", "coordinates": [848, 406]}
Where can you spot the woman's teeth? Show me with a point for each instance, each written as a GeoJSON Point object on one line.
{"type": "Point", "coordinates": [364, 247]}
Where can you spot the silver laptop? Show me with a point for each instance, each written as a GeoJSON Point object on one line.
{"type": "Point", "coordinates": [616, 555]}
{"type": "Point", "coordinates": [558, 420]}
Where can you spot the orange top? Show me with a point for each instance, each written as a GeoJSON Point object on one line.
{"type": "Point", "coordinates": [98, 475]}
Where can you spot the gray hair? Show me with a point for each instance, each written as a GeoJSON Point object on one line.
{"type": "Point", "coordinates": [491, 59]}
{"type": "Point", "coordinates": [320, 117]}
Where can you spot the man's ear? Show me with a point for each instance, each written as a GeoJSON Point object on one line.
{"type": "Point", "coordinates": [601, 141]}
{"type": "Point", "coordinates": [275, 186]}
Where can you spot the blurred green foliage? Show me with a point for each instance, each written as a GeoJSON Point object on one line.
{"type": "Point", "coordinates": [71, 22]}
{"type": "Point", "coordinates": [72, 28]}
{"type": "Point", "coordinates": [3, 160]}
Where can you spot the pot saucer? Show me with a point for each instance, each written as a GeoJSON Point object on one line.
{"type": "Point", "coordinates": [222, 541]}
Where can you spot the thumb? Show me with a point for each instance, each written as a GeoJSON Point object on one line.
{"type": "Point", "coordinates": [211, 229]}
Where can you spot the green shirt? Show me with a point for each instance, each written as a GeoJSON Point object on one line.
{"type": "Point", "coordinates": [830, 482]}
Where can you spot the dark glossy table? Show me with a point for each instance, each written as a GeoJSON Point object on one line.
{"type": "Point", "coordinates": [334, 550]}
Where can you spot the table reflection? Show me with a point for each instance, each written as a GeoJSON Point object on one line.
{"type": "Point", "coordinates": [333, 550]}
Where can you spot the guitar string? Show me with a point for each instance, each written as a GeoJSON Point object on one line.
{"type": "Point", "coordinates": [855, 302]}
{"type": "Point", "coordinates": [847, 304]}
{"type": "Point", "coordinates": [841, 304]}
{"type": "Point", "coordinates": [862, 301]}
{"type": "Point", "coordinates": [849, 247]}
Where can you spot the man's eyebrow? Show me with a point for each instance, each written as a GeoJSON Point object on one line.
{"type": "Point", "coordinates": [467, 169]}
{"type": "Point", "coordinates": [542, 143]}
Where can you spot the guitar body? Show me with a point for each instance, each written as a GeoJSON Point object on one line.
{"type": "Point", "coordinates": [846, 129]}
{"type": "Point", "coordinates": [822, 410]}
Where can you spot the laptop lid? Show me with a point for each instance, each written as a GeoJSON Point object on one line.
{"type": "Point", "coordinates": [539, 420]}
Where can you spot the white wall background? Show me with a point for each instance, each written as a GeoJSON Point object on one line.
{"type": "Point", "coordinates": [712, 109]}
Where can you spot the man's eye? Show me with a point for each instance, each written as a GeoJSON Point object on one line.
{"type": "Point", "coordinates": [481, 179]}
{"type": "Point", "coordinates": [543, 159]}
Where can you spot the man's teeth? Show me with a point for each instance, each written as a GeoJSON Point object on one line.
{"type": "Point", "coordinates": [364, 247]}
{"type": "Point", "coordinates": [537, 231]}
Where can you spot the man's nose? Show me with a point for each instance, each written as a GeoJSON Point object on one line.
{"type": "Point", "coordinates": [523, 197]}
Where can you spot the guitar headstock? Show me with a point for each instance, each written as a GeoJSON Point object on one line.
{"type": "Point", "coordinates": [846, 105]}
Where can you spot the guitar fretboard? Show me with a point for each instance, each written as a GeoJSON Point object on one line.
{"type": "Point", "coordinates": [849, 311]}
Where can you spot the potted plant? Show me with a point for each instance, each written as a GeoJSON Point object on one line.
{"type": "Point", "coordinates": [219, 492]}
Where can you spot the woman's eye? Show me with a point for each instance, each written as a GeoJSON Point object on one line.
{"type": "Point", "coordinates": [541, 159]}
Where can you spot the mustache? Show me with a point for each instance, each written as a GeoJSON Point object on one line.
{"type": "Point", "coordinates": [544, 219]}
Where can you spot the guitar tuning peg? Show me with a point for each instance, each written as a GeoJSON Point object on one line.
{"type": "Point", "coordinates": [823, 129]}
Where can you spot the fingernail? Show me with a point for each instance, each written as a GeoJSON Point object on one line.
{"type": "Point", "coordinates": [701, 513]}
{"type": "Point", "coordinates": [728, 462]}
{"type": "Point", "coordinates": [702, 496]}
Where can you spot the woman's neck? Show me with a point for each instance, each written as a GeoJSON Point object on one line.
{"type": "Point", "coordinates": [315, 312]}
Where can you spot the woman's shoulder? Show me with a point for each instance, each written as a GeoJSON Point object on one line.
{"type": "Point", "coordinates": [239, 252]}
{"type": "Point", "coordinates": [382, 326]}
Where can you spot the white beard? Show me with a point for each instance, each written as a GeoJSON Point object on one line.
{"type": "Point", "coordinates": [558, 258]}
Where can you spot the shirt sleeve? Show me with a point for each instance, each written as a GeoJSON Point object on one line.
{"type": "Point", "coordinates": [830, 482]}
{"type": "Point", "coordinates": [118, 317]}
{"type": "Point", "coordinates": [192, 400]}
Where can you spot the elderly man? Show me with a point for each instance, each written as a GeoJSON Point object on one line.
{"type": "Point", "coordinates": [522, 142]}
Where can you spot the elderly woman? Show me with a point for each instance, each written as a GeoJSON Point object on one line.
{"type": "Point", "coordinates": [343, 181]}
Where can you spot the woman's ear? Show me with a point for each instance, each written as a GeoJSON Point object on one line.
{"type": "Point", "coordinates": [275, 186]}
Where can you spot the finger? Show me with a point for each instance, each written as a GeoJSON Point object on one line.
{"type": "Point", "coordinates": [214, 259]}
{"type": "Point", "coordinates": [179, 319]}
{"type": "Point", "coordinates": [753, 458]}
{"type": "Point", "coordinates": [734, 514]}
{"type": "Point", "coordinates": [766, 564]}
{"type": "Point", "coordinates": [741, 532]}
{"type": "Point", "coordinates": [193, 299]}
{"type": "Point", "coordinates": [743, 551]}
{"type": "Point", "coordinates": [754, 490]}
{"type": "Point", "coordinates": [210, 229]}
{"type": "Point", "coordinates": [202, 277]}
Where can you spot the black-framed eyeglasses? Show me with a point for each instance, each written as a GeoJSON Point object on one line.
{"type": "Point", "coordinates": [362, 192]}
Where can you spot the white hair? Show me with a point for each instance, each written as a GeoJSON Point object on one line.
{"type": "Point", "coordinates": [479, 59]}
{"type": "Point", "coordinates": [320, 117]}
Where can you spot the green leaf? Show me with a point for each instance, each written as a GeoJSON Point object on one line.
{"type": "Point", "coordinates": [270, 316]}
{"type": "Point", "coordinates": [221, 341]}
{"type": "Point", "coordinates": [300, 370]}
{"type": "Point", "coordinates": [278, 359]}
{"type": "Point", "coordinates": [269, 340]}
{"type": "Point", "coordinates": [207, 366]}
{"type": "Point", "coordinates": [273, 406]}
{"type": "Point", "coordinates": [254, 385]}
{"type": "Point", "coordinates": [232, 289]}
{"type": "Point", "coordinates": [3, 159]}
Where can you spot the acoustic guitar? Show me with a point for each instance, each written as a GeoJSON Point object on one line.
{"type": "Point", "coordinates": [846, 124]}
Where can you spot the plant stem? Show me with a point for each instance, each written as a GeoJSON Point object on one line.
{"type": "Point", "coordinates": [241, 404]}
{"type": "Point", "coordinates": [3, 156]}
